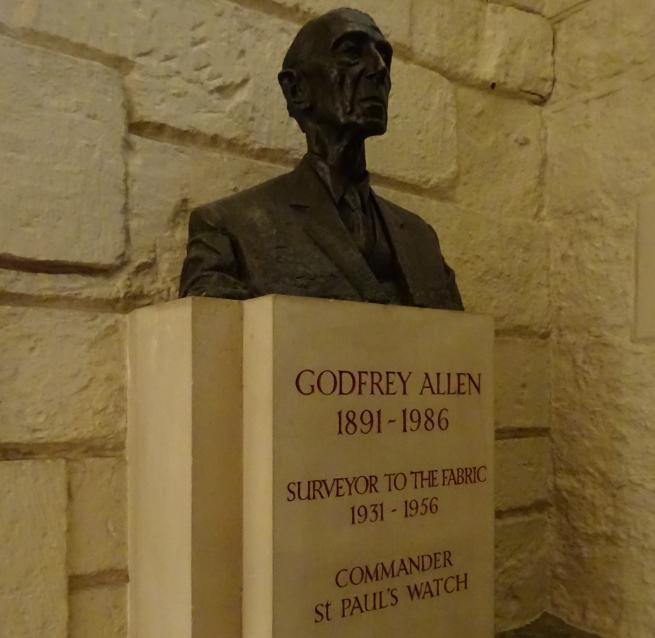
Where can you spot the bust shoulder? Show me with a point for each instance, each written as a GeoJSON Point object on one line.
{"type": "Point", "coordinates": [246, 202]}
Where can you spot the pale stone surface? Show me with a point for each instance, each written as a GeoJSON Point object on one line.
{"type": "Point", "coordinates": [603, 40]}
{"type": "Point", "coordinates": [62, 129]}
{"type": "Point", "coordinates": [184, 448]}
{"type": "Point", "coordinates": [559, 8]}
{"type": "Point", "coordinates": [645, 310]}
{"type": "Point", "coordinates": [160, 202]}
{"type": "Point", "coordinates": [99, 612]}
{"type": "Point", "coordinates": [62, 374]}
{"type": "Point", "coordinates": [507, 280]}
{"type": "Point", "coordinates": [126, 21]}
{"type": "Point", "coordinates": [603, 408]}
{"type": "Point", "coordinates": [593, 276]}
{"type": "Point", "coordinates": [210, 67]}
{"type": "Point", "coordinates": [220, 78]}
{"type": "Point", "coordinates": [522, 383]}
{"type": "Point", "coordinates": [598, 419]}
{"type": "Point", "coordinates": [292, 434]}
{"type": "Point", "coordinates": [107, 26]}
{"type": "Point", "coordinates": [97, 515]}
{"type": "Point", "coordinates": [603, 446]}
{"type": "Point", "coordinates": [618, 553]}
{"type": "Point", "coordinates": [522, 472]}
{"type": "Point", "coordinates": [596, 185]}
{"type": "Point", "coordinates": [447, 34]}
{"type": "Point", "coordinates": [33, 583]}
{"type": "Point", "coordinates": [517, 52]}
{"type": "Point", "coordinates": [534, 6]}
{"type": "Point", "coordinates": [173, 377]}
{"type": "Point", "coordinates": [501, 155]}
{"type": "Point", "coordinates": [71, 287]}
{"type": "Point", "coordinates": [393, 18]}
{"type": "Point", "coordinates": [522, 570]}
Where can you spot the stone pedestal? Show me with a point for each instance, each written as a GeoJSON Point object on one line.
{"type": "Point", "coordinates": [306, 468]}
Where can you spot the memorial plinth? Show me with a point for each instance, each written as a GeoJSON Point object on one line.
{"type": "Point", "coordinates": [305, 468]}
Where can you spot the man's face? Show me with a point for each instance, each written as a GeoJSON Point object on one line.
{"type": "Point", "coordinates": [349, 75]}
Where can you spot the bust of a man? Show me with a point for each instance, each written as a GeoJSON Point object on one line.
{"type": "Point", "coordinates": [320, 230]}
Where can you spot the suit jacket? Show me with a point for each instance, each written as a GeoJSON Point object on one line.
{"type": "Point", "coordinates": [285, 236]}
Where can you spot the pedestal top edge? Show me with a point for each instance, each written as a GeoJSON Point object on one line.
{"type": "Point", "coordinates": [189, 302]}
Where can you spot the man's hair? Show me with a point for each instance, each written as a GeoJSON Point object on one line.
{"type": "Point", "coordinates": [313, 32]}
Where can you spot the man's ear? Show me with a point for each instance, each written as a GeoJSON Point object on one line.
{"type": "Point", "coordinates": [295, 89]}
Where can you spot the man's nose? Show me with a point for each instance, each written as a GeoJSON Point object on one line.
{"type": "Point", "coordinates": [376, 67]}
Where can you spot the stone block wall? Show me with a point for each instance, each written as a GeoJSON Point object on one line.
{"type": "Point", "coordinates": [600, 207]}
{"type": "Point", "coordinates": [118, 118]}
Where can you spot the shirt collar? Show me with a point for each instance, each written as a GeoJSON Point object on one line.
{"type": "Point", "coordinates": [335, 183]}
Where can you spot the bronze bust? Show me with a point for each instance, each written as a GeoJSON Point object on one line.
{"type": "Point", "coordinates": [320, 230]}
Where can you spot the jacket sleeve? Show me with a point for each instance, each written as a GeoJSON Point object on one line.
{"type": "Point", "coordinates": [210, 268]}
{"type": "Point", "coordinates": [451, 282]}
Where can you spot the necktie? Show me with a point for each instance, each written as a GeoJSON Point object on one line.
{"type": "Point", "coordinates": [354, 217]}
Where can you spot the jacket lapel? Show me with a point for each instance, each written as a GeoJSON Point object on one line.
{"type": "Point", "coordinates": [418, 256]}
{"type": "Point", "coordinates": [322, 223]}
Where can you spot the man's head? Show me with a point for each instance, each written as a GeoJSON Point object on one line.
{"type": "Point", "coordinates": [336, 74]}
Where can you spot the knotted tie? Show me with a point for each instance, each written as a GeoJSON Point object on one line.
{"type": "Point", "coordinates": [355, 218]}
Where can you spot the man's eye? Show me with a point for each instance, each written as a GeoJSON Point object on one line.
{"type": "Point", "coordinates": [350, 51]}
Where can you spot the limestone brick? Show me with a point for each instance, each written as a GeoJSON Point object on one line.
{"type": "Point", "coordinates": [501, 155]}
{"type": "Point", "coordinates": [97, 513]}
{"type": "Point", "coordinates": [110, 27]}
{"type": "Point", "coordinates": [62, 376]}
{"type": "Point", "coordinates": [123, 19]}
{"type": "Point", "coordinates": [533, 6]}
{"type": "Point", "coordinates": [90, 287]}
{"type": "Point", "coordinates": [603, 407]}
{"type": "Point", "coordinates": [33, 583]}
{"type": "Point", "coordinates": [596, 185]}
{"type": "Point", "coordinates": [508, 282]}
{"type": "Point", "coordinates": [602, 580]}
{"type": "Point", "coordinates": [212, 68]}
{"type": "Point", "coordinates": [393, 18]}
{"type": "Point", "coordinates": [555, 8]}
{"type": "Point", "coordinates": [522, 373]}
{"type": "Point", "coordinates": [603, 446]}
{"type": "Point", "coordinates": [645, 295]}
{"type": "Point", "coordinates": [517, 52]}
{"type": "Point", "coordinates": [522, 570]}
{"type": "Point", "coordinates": [208, 67]}
{"type": "Point", "coordinates": [446, 35]}
{"type": "Point", "coordinates": [602, 40]}
{"type": "Point", "coordinates": [63, 186]}
{"type": "Point", "coordinates": [593, 276]}
{"type": "Point", "coordinates": [160, 202]}
{"type": "Point", "coordinates": [420, 146]}
{"type": "Point", "coordinates": [99, 612]}
{"type": "Point", "coordinates": [522, 472]}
